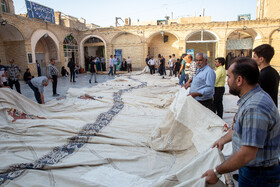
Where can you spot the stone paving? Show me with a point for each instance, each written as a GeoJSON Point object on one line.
{"type": "Point", "coordinates": [63, 84]}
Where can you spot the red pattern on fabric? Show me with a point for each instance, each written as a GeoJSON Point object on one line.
{"type": "Point", "coordinates": [15, 114]}
{"type": "Point", "coordinates": [86, 96]}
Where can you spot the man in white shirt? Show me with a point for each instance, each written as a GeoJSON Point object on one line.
{"type": "Point", "coordinates": [37, 84]}
{"type": "Point", "coordinates": [111, 65]}
{"type": "Point", "coordinates": [129, 68]}
{"type": "Point", "coordinates": [152, 63]}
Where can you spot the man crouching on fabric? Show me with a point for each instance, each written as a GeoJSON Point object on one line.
{"type": "Point", "coordinates": [37, 84]}
{"type": "Point", "coordinates": [256, 134]}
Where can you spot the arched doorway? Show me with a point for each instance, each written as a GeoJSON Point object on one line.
{"type": "Point", "coordinates": [239, 43]}
{"type": "Point", "coordinates": [93, 47]}
{"type": "Point", "coordinates": [203, 42]}
{"type": "Point", "coordinates": [45, 50]}
{"type": "Point", "coordinates": [70, 49]}
{"type": "Point", "coordinates": [274, 42]}
{"type": "Point", "coordinates": [12, 46]}
{"type": "Point", "coordinates": [163, 43]}
{"type": "Point", "coordinates": [44, 46]}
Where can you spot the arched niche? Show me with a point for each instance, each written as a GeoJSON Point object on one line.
{"type": "Point", "coordinates": [240, 43]}
{"type": "Point", "coordinates": [128, 45]}
{"type": "Point", "coordinates": [12, 45]}
{"type": "Point", "coordinates": [164, 43]}
{"type": "Point", "coordinates": [203, 41]}
{"type": "Point", "coordinates": [91, 45]}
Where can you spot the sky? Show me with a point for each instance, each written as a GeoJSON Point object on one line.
{"type": "Point", "coordinates": [103, 12]}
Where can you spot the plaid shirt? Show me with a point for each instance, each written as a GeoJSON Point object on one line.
{"type": "Point", "coordinates": [52, 70]}
{"type": "Point", "coordinates": [13, 71]}
{"type": "Point", "coordinates": [258, 125]}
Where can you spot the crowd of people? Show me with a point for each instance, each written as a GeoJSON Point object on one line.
{"type": "Point", "coordinates": [99, 61]}
{"type": "Point", "coordinates": [255, 134]}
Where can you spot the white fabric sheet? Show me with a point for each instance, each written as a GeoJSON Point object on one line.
{"type": "Point", "coordinates": [149, 133]}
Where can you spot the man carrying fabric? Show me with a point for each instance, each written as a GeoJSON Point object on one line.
{"type": "Point", "coordinates": [203, 83]}
{"type": "Point", "coordinates": [14, 73]}
{"type": "Point", "coordinates": [269, 77]}
{"type": "Point", "coordinates": [256, 134]}
{"type": "Point", "coordinates": [37, 84]}
{"type": "Point", "coordinates": [53, 72]}
{"type": "Point", "coordinates": [219, 86]}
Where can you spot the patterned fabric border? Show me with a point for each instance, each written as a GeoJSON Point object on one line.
{"type": "Point", "coordinates": [74, 143]}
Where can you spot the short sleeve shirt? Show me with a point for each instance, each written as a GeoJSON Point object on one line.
{"type": "Point", "coordinates": [38, 83]}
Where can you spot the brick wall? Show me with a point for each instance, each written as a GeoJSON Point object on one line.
{"type": "Point", "coordinates": [208, 48]}
{"type": "Point", "coordinates": [158, 46]}
{"type": "Point", "coordinates": [131, 47]}
{"type": "Point", "coordinates": [275, 41]}
{"type": "Point", "coordinates": [15, 50]}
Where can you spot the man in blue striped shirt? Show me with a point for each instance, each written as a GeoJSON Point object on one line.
{"type": "Point", "coordinates": [256, 134]}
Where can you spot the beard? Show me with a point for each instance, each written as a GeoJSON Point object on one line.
{"type": "Point", "coordinates": [234, 90]}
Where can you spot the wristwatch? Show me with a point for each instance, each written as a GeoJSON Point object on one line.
{"type": "Point", "coordinates": [218, 175]}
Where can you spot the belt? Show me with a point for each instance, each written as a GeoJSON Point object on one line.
{"type": "Point", "coordinates": [264, 167]}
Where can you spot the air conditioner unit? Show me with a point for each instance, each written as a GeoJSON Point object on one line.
{"type": "Point", "coordinates": [244, 17]}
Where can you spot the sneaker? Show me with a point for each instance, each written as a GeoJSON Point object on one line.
{"type": "Point", "coordinates": [235, 177]}
{"type": "Point", "coordinates": [96, 82]}
{"type": "Point", "coordinates": [89, 81]}
{"type": "Point", "coordinates": [55, 95]}
{"type": "Point", "coordinates": [74, 81]}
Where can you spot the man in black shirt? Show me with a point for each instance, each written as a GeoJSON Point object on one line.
{"type": "Point", "coordinates": [71, 66]}
{"type": "Point", "coordinates": [269, 77]}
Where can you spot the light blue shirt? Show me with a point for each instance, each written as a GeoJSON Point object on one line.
{"type": "Point", "coordinates": [38, 83]}
{"type": "Point", "coordinates": [204, 83]}
{"type": "Point", "coordinates": [115, 61]}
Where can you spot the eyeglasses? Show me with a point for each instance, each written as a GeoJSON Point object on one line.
{"type": "Point", "coordinates": [200, 60]}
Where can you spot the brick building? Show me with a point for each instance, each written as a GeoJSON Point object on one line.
{"type": "Point", "coordinates": [29, 40]}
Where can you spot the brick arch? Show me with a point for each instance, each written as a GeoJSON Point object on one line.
{"type": "Point", "coordinates": [157, 44]}
{"type": "Point", "coordinates": [11, 33]}
{"type": "Point", "coordinates": [194, 32]}
{"type": "Point", "coordinates": [37, 35]}
{"type": "Point", "coordinates": [274, 40]}
{"type": "Point", "coordinates": [126, 34]}
{"type": "Point", "coordinates": [82, 57]}
{"type": "Point", "coordinates": [203, 41]}
{"type": "Point", "coordinates": [272, 32]}
{"type": "Point", "coordinates": [152, 35]}
{"type": "Point", "coordinates": [250, 31]}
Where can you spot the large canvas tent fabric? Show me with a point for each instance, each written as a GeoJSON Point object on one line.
{"type": "Point", "coordinates": [138, 130]}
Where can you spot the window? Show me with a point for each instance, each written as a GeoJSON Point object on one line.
{"type": "Point", "coordinates": [3, 6]}
{"type": "Point", "coordinates": [70, 47]}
